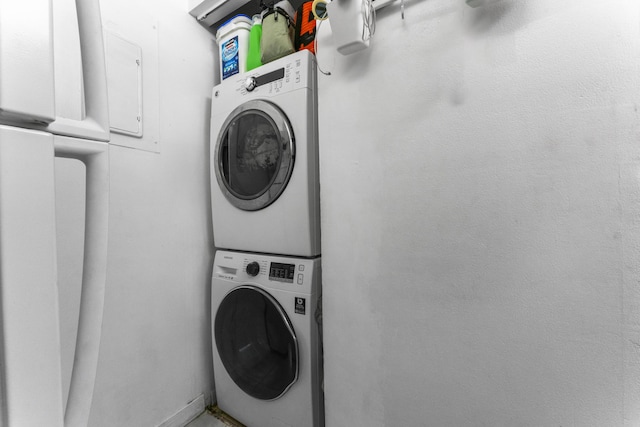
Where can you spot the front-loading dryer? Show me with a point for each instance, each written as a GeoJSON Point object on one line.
{"type": "Point", "coordinates": [265, 187]}
{"type": "Point", "coordinates": [267, 345]}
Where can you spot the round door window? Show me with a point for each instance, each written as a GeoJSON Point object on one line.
{"type": "Point", "coordinates": [256, 343]}
{"type": "Point", "coordinates": [254, 155]}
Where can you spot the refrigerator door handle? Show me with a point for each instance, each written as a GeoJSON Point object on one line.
{"type": "Point", "coordinates": [95, 125]}
{"type": "Point", "coordinates": [95, 156]}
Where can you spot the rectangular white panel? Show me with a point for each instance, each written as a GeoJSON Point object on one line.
{"type": "Point", "coordinates": [124, 80]}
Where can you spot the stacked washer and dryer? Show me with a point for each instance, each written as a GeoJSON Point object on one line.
{"type": "Point", "coordinates": [266, 285]}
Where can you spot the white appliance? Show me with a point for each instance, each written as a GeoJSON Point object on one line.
{"type": "Point", "coordinates": [32, 134]}
{"type": "Point", "coordinates": [264, 159]}
{"type": "Point", "coordinates": [266, 324]}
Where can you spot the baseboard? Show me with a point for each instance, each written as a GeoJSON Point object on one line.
{"type": "Point", "coordinates": [186, 414]}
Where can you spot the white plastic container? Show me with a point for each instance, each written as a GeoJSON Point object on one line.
{"type": "Point", "coordinates": [233, 41]}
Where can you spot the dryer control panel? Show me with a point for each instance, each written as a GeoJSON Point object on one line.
{"type": "Point", "coordinates": [295, 71]}
{"type": "Point", "coordinates": [288, 76]}
{"type": "Point", "coordinates": [253, 82]}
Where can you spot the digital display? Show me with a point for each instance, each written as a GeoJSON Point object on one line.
{"type": "Point", "coordinates": [270, 77]}
{"type": "Point", "coordinates": [282, 272]}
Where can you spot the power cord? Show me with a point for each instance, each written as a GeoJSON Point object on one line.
{"type": "Point", "coordinates": [315, 48]}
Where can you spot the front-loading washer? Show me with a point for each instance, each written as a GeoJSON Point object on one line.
{"type": "Point", "coordinates": [265, 190]}
{"type": "Point", "coordinates": [267, 343]}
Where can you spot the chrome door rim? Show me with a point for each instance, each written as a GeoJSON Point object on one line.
{"type": "Point", "coordinates": [287, 156]}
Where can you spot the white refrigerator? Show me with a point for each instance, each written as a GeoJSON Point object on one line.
{"type": "Point", "coordinates": [32, 134]}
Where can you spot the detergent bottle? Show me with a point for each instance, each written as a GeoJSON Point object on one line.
{"type": "Point", "coordinates": [253, 56]}
{"type": "Point", "coordinates": [233, 39]}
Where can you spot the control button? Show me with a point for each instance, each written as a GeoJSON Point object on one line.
{"type": "Point", "coordinates": [250, 83]}
{"type": "Point", "coordinates": [301, 267]}
{"type": "Point", "coordinates": [300, 277]}
{"type": "Point", "coordinates": [253, 268]}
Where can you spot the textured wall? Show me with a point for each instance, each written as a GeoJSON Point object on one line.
{"type": "Point", "coordinates": [480, 202]}
{"type": "Point", "coordinates": [155, 354]}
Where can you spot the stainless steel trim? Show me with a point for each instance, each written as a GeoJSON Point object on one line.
{"type": "Point", "coordinates": [287, 156]}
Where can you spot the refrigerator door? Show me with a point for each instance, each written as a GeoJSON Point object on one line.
{"type": "Point", "coordinates": [30, 358]}
{"type": "Point", "coordinates": [30, 370]}
{"type": "Point", "coordinates": [26, 62]}
{"type": "Point", "coordinates": [27, 85]}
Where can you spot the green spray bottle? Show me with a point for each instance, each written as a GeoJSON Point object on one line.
{"type": "Point", "coordinates": [253, 54]}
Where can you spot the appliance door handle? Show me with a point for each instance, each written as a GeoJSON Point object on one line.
{"type": "Point", "coordinates": [95, 156]}
{"type": "Point", "coordinates": [95, 124]}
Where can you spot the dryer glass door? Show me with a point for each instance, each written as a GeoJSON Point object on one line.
{"type": "Point", "coordinates": [256, 343]}
{"type": "Point", "coordinates": [254, 155]}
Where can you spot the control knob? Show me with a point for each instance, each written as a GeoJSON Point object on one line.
{"type": "Point", "coordinates": [250, 84]}
{"type": "Point", "coordinates": [253, 268]}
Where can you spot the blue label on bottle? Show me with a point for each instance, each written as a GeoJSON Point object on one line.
{"type": "Point", "coordinates": [230, 58]}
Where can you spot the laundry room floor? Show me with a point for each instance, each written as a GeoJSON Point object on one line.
{"type": "Point", "coordinates": [207, 419]}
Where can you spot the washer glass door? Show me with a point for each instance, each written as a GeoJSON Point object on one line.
{"type": "Point", "coordinates": [254, 155]}
{"type": "Point", "coordinates": [256, 343]}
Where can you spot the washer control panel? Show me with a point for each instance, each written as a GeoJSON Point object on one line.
{"type": "Point", "coordinates": [253, 268]}
{"type": "Point", "coordinates": [277, 272]}
{"type": "Point", "coordinates": [282, 272]}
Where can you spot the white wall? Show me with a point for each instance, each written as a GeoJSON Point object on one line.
{"type": "Point", "coordinates": [480, 202]}
{"type": "Point", "coordinates": [155, 354]}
